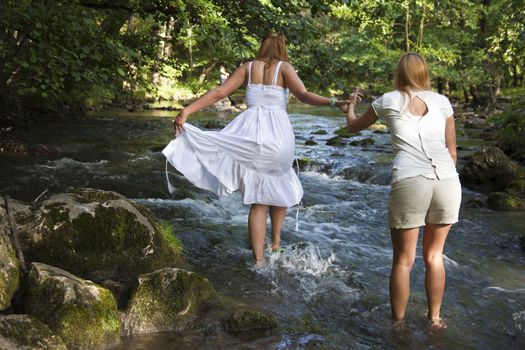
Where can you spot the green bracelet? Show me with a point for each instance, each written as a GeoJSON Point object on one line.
{"type": "Point", "coordinates": [332, 101]}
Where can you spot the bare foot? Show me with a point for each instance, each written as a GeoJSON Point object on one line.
{"type": "Point", "coordinates": [436, 324]}
{"type": "Point", "coordinates": [259, 262]}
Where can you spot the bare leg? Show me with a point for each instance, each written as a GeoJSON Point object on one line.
{"type": "Point", "coordinates": [404, 242]}
{"type": "Point", "coordinates": [277, 215]}
{"type": "Point", "coordinates": [257, 228]}
{"type": "Point", "coordinates": [433, 245]}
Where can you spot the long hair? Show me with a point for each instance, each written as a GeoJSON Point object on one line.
{"type": "Point", "coordinates": [411, 73]}
{"type": "Point", "coordinates": [273, 47]}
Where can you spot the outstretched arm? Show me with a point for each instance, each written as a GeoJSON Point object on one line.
{"type": "Point", "coordinates": [450, 138]}
{"type": "Point", "coordinates": [366, 119]}
{"type": "Point", "coordinates": [296, 86]}
{"type": "Point", "coordinates": [212, 96]}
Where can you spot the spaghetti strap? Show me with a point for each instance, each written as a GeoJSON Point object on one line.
{"type": "Point", "coordinates": [250, 72]}
{"type": "Point", "coordinates": [276, 74]}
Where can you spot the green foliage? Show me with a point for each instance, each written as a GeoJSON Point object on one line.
{"type": "Point", "coordinates": [86, 52]}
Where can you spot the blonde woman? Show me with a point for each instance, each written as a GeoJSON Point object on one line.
{"type": "Point", "coordinates": [425, 188]}
{"type": "Point", "coordinates": [254, 152]}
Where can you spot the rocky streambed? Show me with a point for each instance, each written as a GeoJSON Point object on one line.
{"type": "Point", "coordinates": [98, 268]}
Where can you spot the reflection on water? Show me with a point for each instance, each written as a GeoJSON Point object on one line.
{"type": "Point", "coordinates": [329, 287]}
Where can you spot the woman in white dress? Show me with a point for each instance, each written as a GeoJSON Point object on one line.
{"type": "Point", "coordinates": [425, 188]}
{"type": "Point", "coordinates": [254, 153]}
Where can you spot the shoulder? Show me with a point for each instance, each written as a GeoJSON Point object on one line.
{"type": "Point", "coordinates": [287, 66]}
{"type": "Point", "coordinates": [389, 99]}
{"type": "Point", "coordinates": [442, 102]}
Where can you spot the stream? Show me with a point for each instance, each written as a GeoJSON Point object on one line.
{"type": "Point", "coordinates": [329, 288]}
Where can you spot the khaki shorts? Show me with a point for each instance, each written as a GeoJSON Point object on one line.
{"type": "Point", "coordinates": [418, 200]}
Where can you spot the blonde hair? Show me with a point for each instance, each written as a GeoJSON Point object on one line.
{"type": "Point", "coordinates": [273, 47]}
{"type": "Point", "coordinates": [411, 72]}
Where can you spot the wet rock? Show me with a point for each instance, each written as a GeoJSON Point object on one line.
{"type": "Point", "coordinates": [377, 175]}
{"type": "Point", "coordinates": [26, 332]}
{"type": "Point", "coordinates": [249, 320]}
{"type": "Point", "coordinates": [81, 312]}
{"type": "Point", "coordinates": [343, 132]}
{"type": "Point", "coordinates": [320, 132]}
{"type": "Point", "coordinates": [335, 141]}
{"type": "Point", "coordinates": [310, 142]}
{"type": "Point", "coordinates": [166, 300]}
{"type": "Point", "coordinates": [476, 202]}
{"type": "Point", "coordinates": [505, 201]}
{"type": "Point", "coordinates": [364, 142]}
{"type": "Point", "coordinates": [97, 235]}
{"type": "Point", "coordinates": [490, 170]}
{"type": "Point", "coordinates": [214, 124]}
{"type": "Point", "coordinates": [9, 264]}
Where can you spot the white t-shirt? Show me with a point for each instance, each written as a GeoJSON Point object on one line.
{"type": "Point", "coordinates": [418, 142]}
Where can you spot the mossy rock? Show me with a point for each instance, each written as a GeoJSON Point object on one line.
{"type": "Point", "coordinates": [516, 187]}
{"type": "Point", "coordinates": [490, 170]}
{"type": "Point", "coordinates": [335, 141]}
{"type": "Point", "coordinates": [24, 332]}
{"type": "Point", "coordinates": [505, 201]}
{"type": "Point", "coordinates": [98, 235]}
{"type": "Point", "coordinates": [319, 132]}
{"type": "Point", "coordinates": [310, 142]}
{"type": "Point", "coordinates": [81, 312]}
{"type": "Point", "coordinates": [250, 320]}
{"type": "Point", "coordinates": [343, 132]}
{"type": "Point", "coordinates": [166, 300]}
{"type": "Point", "coordinates": [364, 142]}
{"type": "Point", "coordinates": [9, 264]}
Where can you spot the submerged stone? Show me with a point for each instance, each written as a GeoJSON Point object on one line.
{"type": "Point", "coordinates": [24, 332]}
{"type": "Point", "coordinates": [249, 320]}
{"type": "Point", "coordinates": [335, 141]}
{"type": "Point", "coordinates": [81, 312]}
{"type": "Point", "coordinates": [97, 235]}
{"type": "Point", "coordinates": [166, 300]}
{"type": "Point", "coordinates": [9, 264]}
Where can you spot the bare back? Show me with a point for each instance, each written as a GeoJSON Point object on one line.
{"type": "Point", "coordinates": [260, 74]}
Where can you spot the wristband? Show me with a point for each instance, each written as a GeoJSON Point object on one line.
{"type": "Point", "coordinates": [332, 101]}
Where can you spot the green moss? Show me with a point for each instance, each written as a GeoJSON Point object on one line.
{"type": "Point", "coordinates": [87, 327]}
{"type": "Point", "coordinates": [111, 243]}
{"type": "Point", "coordinates": [89, 195]}
{"type": "Point", "coordinates": [81, 321]}
{"type": "Point", "coordinates": [166, 230]}
{"type": "Point", "coordinates": [505, 201]}
{"type": "Point", "coordinates": [343, 132]}
{"type": "Point", "coordinates": [9, 273]}
{"type": "Point", "coordinates": [167, 299]}
{"type": "Point", "coordinates": [25, 331]}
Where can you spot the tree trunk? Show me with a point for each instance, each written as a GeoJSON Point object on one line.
{"type": "Point", "coordinates": [190, 51]}
{"type": "Point", "coordinates": [407, 26]}
{"type": "Point", "coordinates": [466, 95]}
{"type": "Point", "coordinates": [421, 27]}
{"type": "Point", "coordinates": [475, 94]}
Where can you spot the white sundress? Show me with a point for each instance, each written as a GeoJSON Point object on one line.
{"type": "Point", "coordinates": [254, 153]}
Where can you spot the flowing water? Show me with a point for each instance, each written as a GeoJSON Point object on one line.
{"type": "Point", "coordinates": [329, 288]}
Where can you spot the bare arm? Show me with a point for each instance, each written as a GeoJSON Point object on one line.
{"type": "Point", "coordinates": [212, 96]}
{"type": "Point", "coordinates": [366, 119]}
{"type": "Point", "coordinates": [450, 138]}
{"type": "Point", "coordinates": [296, 86]}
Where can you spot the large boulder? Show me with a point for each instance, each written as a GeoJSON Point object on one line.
{"type": "Point", "coordinates": [9, 264]}
{"type": "Point", "coordinates": [166, 300]}
{"type": "Point", "coordinates": [81, 312]}
{"type": "Point", "coordinates": [24, 332]}
{"type": "Point", "coordinates": [97, 235]}
{"type": "Point", "coordinates": [505, 201]}
{"type": "Point", "coordinates": [490, 170]}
